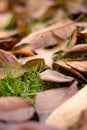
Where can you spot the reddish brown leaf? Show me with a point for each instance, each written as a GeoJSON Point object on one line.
{"type": "Point", "coordinates": [8, 43]}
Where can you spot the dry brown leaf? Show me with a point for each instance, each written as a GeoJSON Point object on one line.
{"type": "Point", "coordinates": [58, 39]}
{"type": "Point", "coordinates": [43, 38]}
{"type": "Point", "coordinates": [15, 109]}
{"type": "Point", "coordinates": [69, 113]}
{"type": "Point", "coordinates": [64, 65]}
{"type": "Point", "coordinates": [54, 76]}
{"type": "Point", "coordinates": [36, 63]}
{"type": "Point", "coordinates": [79, 65]}
{"type": "Point", "coordinates": [24, 60]}
{"type": "Point", "coordinates": [48, 100]}
{"type": "Point", "coordinates": [26, 126]}
{"type": "Point", "coordinates": [79, 49]}
{"type": "Point", "coordinates": [8, 43]}
{"type": "Point", "coordinates": [8, 60]}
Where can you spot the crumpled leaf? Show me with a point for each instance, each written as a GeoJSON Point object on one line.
{"type": "Point", "coordinates": [54, 76]}
{"type": "Point", "coordinates": [15, 109]}
{"type": "Point", "coordinates": [48, 100]}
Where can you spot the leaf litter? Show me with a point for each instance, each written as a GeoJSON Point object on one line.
{"type": "Point", "coordinates": [43, 65]}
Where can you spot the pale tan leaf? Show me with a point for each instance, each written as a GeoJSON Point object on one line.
{"type": "Point", "coordinates": [69, 113]}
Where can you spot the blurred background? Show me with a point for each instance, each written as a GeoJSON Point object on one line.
{"type": "Point", "coordinates": [26, 16]}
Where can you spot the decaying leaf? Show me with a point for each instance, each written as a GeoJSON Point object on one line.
{"type": "Point", "coordinates": [15, 109]}
{"type": "Point", "coordinates": [54, 76]}
{"type": "Point", "coordinates": [69, 113]}
{"type": "Point", "coordinates": [48, 100]}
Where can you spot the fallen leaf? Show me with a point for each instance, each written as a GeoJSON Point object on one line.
{"type": "Point", "coordinates": [8, 43]}
{"type": "Point", "coordinates": [15, 109]}
{"type": "Point", "coordinates": [54, 76]}
{"type": "Point", "coordinates": [8, 60]}
{"type": "Point", "coordinates": [79, 49]}
{"type": "Point", "coordinates": [27, 126]}
{"type": "Point", "coordinates": [79, 65]}
{"type": "Point", "coordinates": [69, 113]}
{"type": "Point", "coordinates": [48, 100]}
{"type": "Point", "coordinates": [37, 63]}
{"type": "Point", "coordinates": [63, 64]}
{"type": "Point", "coordinates": [43, 38]}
